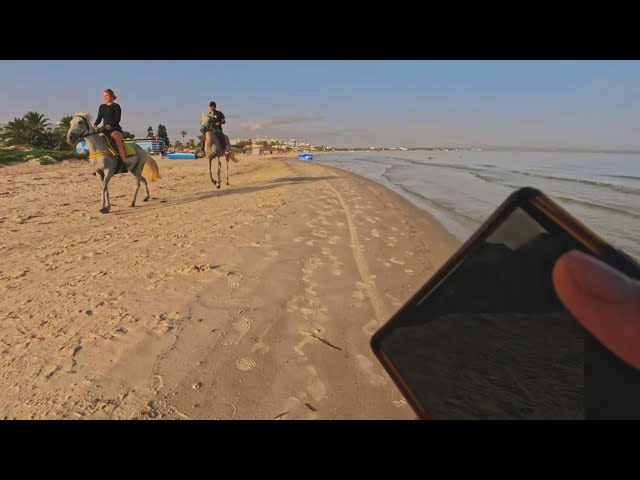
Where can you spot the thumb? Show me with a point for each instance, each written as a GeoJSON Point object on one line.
{"type": "Point", "coordinates": [605, 301]}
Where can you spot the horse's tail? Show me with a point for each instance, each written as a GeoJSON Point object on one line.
{"type": "Point", "coordinates": [233, 158]}
{"type": "Point", "coordinates": [150, 171]}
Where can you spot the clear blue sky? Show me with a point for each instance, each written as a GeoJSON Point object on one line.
{"type": "Point", "coordinates": [583, 104]}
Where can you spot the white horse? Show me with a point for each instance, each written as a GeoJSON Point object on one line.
{"type": "Point", "coordinates": [105, 163]}
{"type": "Point", "coordinates": [213, 149]}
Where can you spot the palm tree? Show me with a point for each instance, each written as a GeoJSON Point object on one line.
{"type": "Point", "coordinates": [16, 132]}
{"type": "Point", "coordinates": [183, 133]}
{"type": "Point", "coordinates": [65, 124]}
{"type": "Point", "coordinates": [36, 124]}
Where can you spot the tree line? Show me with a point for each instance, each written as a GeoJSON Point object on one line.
{"type": "Point", "coordinates": [36, 130]}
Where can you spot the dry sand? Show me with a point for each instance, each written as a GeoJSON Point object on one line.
{"type": "Point", "coordinates": [255, 301]}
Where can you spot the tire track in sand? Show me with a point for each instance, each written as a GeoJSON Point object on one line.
{"type": "Point", "coordinates": [361, 263]}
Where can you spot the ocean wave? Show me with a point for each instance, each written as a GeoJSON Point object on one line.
{"type": "Point", "coordinates": [598, 206]}
{"type": "Point", "coordinates": [617, 188]}
{"type": "Point", "coordinates": [452, 212]}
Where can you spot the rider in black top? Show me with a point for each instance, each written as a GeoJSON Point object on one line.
{"type": "Point", "coordinates": [110, 113]}
{"type": "Point", "coordinates": [216, 119]}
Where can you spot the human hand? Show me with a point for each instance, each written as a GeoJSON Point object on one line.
{"type": "Point", "coordinates": [605, 301]}
{"type": "Point", "coordinates": [108, 127]}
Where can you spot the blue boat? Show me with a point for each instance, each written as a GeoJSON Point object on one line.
{"type": "Point", "coordinates": [305, 156]}
{"type": "Point", "coordinates": [180, 156]}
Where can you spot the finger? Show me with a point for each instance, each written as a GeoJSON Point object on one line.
{"type": "Point", "coordinates": [605, 301]}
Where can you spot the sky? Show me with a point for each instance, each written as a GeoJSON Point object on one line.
{"type": "Point", "coordinates": [350, 103]}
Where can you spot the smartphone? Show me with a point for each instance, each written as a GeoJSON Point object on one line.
{"type": "Point", "coordinates": [487, 337]}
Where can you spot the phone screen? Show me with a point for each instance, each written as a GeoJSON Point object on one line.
{"type": "Point", "coordinates": [493, 341]}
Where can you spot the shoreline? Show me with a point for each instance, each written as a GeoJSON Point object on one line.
{"type": "Point", "coordinates": [257, 300]}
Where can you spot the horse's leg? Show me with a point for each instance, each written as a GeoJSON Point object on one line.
{"type": "Point", "coordinates": [210, 174]}
{"type": "Point", "coordinates": [219, 169]}
{"type": "Point", "coordinates": [227, 157]}
{"type": "Point", "coordinates": [144, 180]}
{"type": "Point", "coordinates": [106, 203]}
{"type": "Point", "coordinates": [100, 173]}
{"type": "Point", "coordinates": [135, 193]}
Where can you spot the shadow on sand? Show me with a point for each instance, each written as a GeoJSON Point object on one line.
{"type": "Point", "coordinates": [171, 202]}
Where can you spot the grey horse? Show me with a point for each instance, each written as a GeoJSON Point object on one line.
{"type": "Point", "coordinates": [105, 164]}
{"type": "Point", "coordinates": [213, 149]}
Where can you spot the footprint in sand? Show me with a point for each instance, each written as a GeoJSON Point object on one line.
{"type": "Point", "coordinates": [307, 337]}
{"type": "Point", "coordinates": [298, 349]}
{"type": "Point", "coordinates": [292, 404]}
{"type": "Point", "coordinates": [292, 305]}
{"type": "Point", "coordinates": [298, 239]}
{"type": "Point", "coordinates": [271, 255]}
{"type": "Point", "coordinates": [375, 233]}
{"type": "Point", "coordinates": [233, 279]}
{"type": "Point", "coordinates": [367, 368]}
{"type": "Point", "coordinates": [394, 300]}
{"type": "Point", "coordinates": [260, 346]}
{"type": "Point", "coordinates": [359, 294]}
{"type": "Point", "coordinates": [394, 260]}
{"type": "Point", "coordinates": [315, 386]}
{"type": "Point", "coordinates": [157, 383]}
{"type": "Point", "coordinates": [164, 326]}
{"type": "Point", "coordinates": [245, 365]}
{"type": "Point", "coordinates": [239, 328]}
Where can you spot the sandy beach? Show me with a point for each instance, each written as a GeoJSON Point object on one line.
{"type": "Point", "coordinates": [255, 301]}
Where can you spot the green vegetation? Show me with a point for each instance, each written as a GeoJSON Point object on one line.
{"type": "Point", "coordinates": [44, 157]}
{"type": "Point", "coordinates": [36, 130]}
{"type": "Point", "coordinates": [162, 135]}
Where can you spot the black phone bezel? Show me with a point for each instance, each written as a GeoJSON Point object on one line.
{"type": "Point", "coordinates": [551, 216]}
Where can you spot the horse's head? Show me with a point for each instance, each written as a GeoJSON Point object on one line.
{"type": "Point", "coordinates": [79, 127]}
{"type": "Point", "coordinates": [204, 119]}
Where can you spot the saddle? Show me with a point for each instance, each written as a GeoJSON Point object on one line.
{"type": "Point", "coordinates": [121, 167]}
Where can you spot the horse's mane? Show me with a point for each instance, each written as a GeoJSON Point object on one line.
{"type": "Point", "coordinates": [86, 115]}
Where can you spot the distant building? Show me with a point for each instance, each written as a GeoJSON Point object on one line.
{"type": "Point", "coordinates": [149, 144]}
